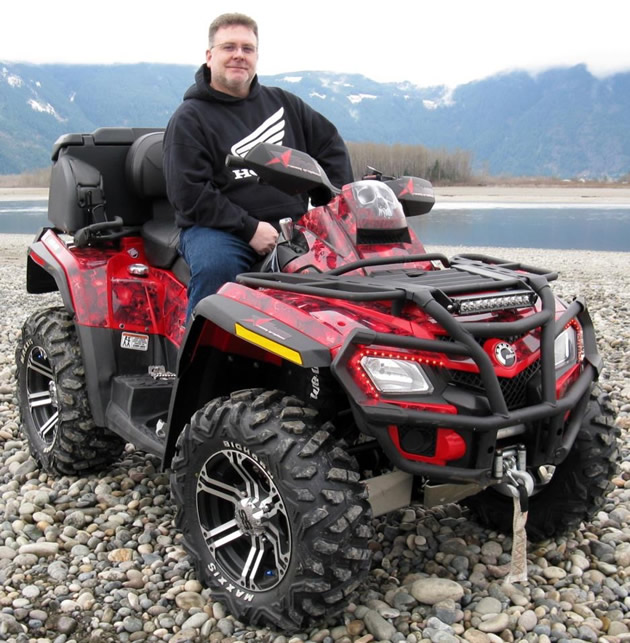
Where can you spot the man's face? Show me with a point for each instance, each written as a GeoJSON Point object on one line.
{"type": "Point", "coordinates": [232, 60]}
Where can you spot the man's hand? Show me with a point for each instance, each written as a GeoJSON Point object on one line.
{"type": "Point", "coordinates": [264, 238]}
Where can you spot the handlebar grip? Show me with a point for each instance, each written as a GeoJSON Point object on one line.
{"type": "Point", "coordinates": [232, 160]}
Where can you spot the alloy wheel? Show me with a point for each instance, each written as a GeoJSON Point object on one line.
{"type": "Point", "coordinates": [41, 392]}
{"type": "Point", "coordinates": [244, 520]}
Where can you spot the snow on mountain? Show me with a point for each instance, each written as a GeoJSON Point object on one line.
{"type": "Point", "coordinates": [562, 122]}
{"type": "Point", "coordinates": [46, 108]}
{"type": "Point", "coordinates": [357, 98]}
{"type": "Point", "coordinates": [11, 79]}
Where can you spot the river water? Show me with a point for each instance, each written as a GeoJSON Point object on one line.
{"type": "Point", "coordinates": [527, 225]}
{"type": "Point", "coordinates": [22, 217]}
{"type": "Point", "coordinates": [494, 224]}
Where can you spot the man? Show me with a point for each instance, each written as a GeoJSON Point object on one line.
{"type": "Point", "coordinates": [228, 220]}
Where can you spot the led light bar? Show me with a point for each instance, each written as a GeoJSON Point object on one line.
{"type": "Point", "coordinates": [492, 302]}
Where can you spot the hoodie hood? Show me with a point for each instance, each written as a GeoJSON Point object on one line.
{"type": "Point", "coordinates": [201, 89]}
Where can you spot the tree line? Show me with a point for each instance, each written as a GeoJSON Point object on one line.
{"type": "Point", "coordinates": [34, 179]}
{"type": "Point", "coordinates": [440, 166]}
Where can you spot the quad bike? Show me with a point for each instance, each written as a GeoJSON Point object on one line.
{"type": "Point", "coordinates": [353, 374]}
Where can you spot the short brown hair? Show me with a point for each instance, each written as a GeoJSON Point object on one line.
{"type": "Point", "coordinates": [229, 19]}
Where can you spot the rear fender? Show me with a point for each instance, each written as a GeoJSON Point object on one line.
{"type": "Point", "coordinates": [44, 274]}
{"type": "Point", "coordinates": [80, 275]}
{"type": "Point", "coordinates": [231, 345]}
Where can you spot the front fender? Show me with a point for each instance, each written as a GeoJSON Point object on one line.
{"type": "Point", "coordinates": [251, 328]}
{"type": "Point", "coordinates": [259, 323]}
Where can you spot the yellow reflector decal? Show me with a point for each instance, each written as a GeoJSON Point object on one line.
{"type": "Point", "coordinates": [268, 344]}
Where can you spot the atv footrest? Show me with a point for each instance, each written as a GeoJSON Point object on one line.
{"type": "Point", "coordinates": [139, 403]}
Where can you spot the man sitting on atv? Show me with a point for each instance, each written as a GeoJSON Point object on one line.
{"type": "Point", "coordinates": [227, 219]}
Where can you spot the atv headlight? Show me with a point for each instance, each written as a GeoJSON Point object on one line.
{"type": "Point", "coordinates": [566, 348]}
{"type": "Point", "coordinates": [396, 375]}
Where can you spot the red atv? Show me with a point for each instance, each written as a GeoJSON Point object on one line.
{"type": "Point", "coordinates": [352, 375]}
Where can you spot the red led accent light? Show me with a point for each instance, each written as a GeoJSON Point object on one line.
{"type": "Point", "coordinates": [579, 338]}
{"type": "Point", "coordinates": [423, 406]}
{"type": "Point", "coordinates": [567, 379]}
{"type": "Point", "coordinates": [363, 379]}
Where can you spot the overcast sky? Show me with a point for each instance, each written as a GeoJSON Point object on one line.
{"type": "Point", "coordinates": [428, 43]}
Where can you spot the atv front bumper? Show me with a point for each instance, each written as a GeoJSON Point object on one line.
{"type": "Point", "coordinates": [548, 427]}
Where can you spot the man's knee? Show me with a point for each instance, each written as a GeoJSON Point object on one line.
{"type": "Point", "coordinates": [214, 257]}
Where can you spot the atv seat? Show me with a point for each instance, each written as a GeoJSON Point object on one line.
{"type": "Point", "coordinates": [146, 178]}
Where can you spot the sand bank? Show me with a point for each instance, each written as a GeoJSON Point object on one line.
{"type": "Point", "coordinates": [515, 194]}
{"type": "Point", "coordinates": [526, 194]}
{"type": "Point", "coordinates": [23, 194]}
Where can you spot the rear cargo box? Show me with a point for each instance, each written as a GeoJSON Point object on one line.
{"type": "Point", "coordinates": [88, 183]}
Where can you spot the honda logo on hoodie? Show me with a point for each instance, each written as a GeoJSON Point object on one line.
{"type": "Point", "coordinates": [271, 131]}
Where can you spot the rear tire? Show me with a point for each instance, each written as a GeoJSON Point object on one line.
{"type": "Point", "coordinates": [52, 398]}
{"type": "Point", "coordinates": [271, 509]}
{"type": "Point", "coordinates": [577, 489]}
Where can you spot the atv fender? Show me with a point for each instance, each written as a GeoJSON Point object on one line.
{"type": "Point", "coordinates": [45, 274]}
{"type": "Point", "coordinates": [231, 327]}
{"type": "Point", "coordinates": [262, 328]}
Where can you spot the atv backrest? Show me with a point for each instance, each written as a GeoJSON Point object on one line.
{"type": "Point", "coordinates": [87, 167]}
{"type": "Point", "coordinates": [146, 178]}
{"type": "Point", "coordinates": [144, 167]}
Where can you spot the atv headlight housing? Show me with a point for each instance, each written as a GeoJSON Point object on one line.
{"type": "Point", "coordinates": [566, 348]}
{"type": "Point", "coordinates": [396, 376]}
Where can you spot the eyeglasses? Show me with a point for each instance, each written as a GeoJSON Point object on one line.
{"type": "Point", "coordinates": [232, 48]}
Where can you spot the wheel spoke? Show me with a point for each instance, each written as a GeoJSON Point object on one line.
{"type": "Point", "coordinates": [276, 540]}
{"type": "Point", "coordinates": [237, 460]}
{"type": "Point", "coordinates": [43, 368]}
{"type": "Point", "coordinates": [49, 424]}
{"type": "Point", "coordinates": [217, 488]}
{"type": "Point", "coordinates": [254, 557]}
{"type": "Point", "coordinates": [272, 504]}
{"type": "Point", "coordinates": [233, 532]}
{"type": "Point", "coordinates": [42, 398]}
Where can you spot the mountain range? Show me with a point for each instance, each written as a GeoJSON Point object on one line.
{"type": "Point", "coordinates": [563, 122]}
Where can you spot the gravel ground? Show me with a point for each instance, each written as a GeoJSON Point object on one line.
{"type": "Point", "coordinates": [97, 558]}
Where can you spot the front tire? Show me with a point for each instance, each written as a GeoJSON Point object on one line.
{"type": "Point", "coordinates": [577, 489]}
{"type": "Point", "coordinates": [52, 398]}
{"type": "Point", "coordinates": [271, 509]}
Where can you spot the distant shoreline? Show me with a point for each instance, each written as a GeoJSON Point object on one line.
{"type": "Point", "coordinates": [459, 193]}
{"type": "Point", "coordinates": [534, 194]}
{"type": "Point", "coordinates": [23, 194]}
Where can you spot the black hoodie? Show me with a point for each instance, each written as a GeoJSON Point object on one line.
{"type": "Point", "coordinates": [209, 124]}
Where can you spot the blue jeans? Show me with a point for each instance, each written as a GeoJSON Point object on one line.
{"type": "Point", "coordinates": [214, 258]}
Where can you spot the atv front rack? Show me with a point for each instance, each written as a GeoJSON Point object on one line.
{"type": "Point", "coordinates": [462, 274]}
{"type": "Point", "coordinates": [513, 284]}
{"type": "Point", "coordinates": [438, 293]}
